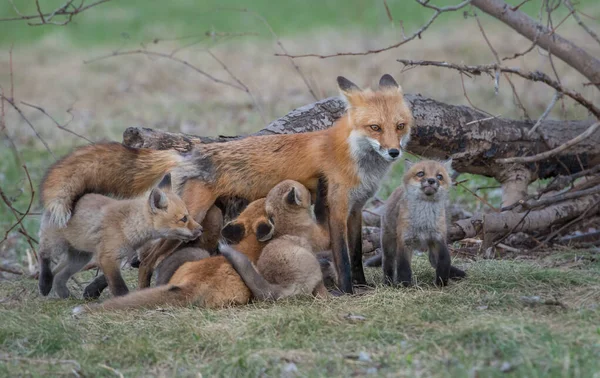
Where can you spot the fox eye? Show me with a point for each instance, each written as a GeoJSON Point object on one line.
{"type": "Point", "coordinates": [440, 177]}
{"type": "Point", "coordinates": [375, 128]}
{"type": "Point", "coordinates": [184, 219]}
{"type": "Point", "coordinates": [420, 174]}
{"type": "Point", "coordinates": [400, 126]}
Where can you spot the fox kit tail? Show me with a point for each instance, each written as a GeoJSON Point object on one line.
{"type": "Point", "coordinates": [103, 168]}
{"type": "Point", "coordinates": [261, 288]}
{"type": "Point", "coordinates": [166, 295]}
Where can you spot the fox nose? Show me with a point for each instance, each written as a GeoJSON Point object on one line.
{"type": "Point", "coordinates": [394, 152]}
{"type": "Point", "coordinates": [431, 181]}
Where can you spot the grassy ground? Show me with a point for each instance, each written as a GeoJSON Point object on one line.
{"type": "Point", "coordinates": [509, 318]}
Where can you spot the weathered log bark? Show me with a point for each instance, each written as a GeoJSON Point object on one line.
{"type": "Point", "coordinates": [441, 131]}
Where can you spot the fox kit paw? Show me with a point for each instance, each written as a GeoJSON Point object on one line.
{"type": "Point", "coordinates": [60, 213]}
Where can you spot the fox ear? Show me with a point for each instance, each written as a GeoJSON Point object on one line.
{"type": "Point", "coordinates": [157, 200]}
{"type": "Point", "coordinates": [388, 82]}
{"type": "Point", "coordinates": [408, 164]}
{"type": "Point", "coordinates": [233, 232]}
{"type": "Point", "coordinates": [346, 86]}
{"type": "Point", "coordinates": [292, 198]}
{"type": "Point", "coordinates": [165, 183]}
{"type": "Point", "coordinates": [448, 165]}
{"type": "Point", "coordinates": [264, 230]}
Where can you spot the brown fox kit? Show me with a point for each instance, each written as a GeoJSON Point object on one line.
{"type": "Point", "coordinates": [213, 282]}
{"type": "Point", "coordinates": [287, 265]}
{"type": "Point", "coordinates": [415, 218]}
{"type": "Point", "coordinates": [110, 229]}
{"type": "Point", "coordinates": [353, 156]}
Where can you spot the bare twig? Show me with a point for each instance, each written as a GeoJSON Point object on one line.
{"type": "Point", "coordinates": [560, 197]}
{"type": "Point", "coordinates": [544, 155]}
{"type": "Point", "coordinates": [462, 82]}
{"type": "Point", "coordinates": [18, 215]}
{"type": "Point", "coordinates": [279, 43]}
{"type": "Point", "coordinates": [45, 18]}
{"type": "Point", "coordinates": [12, 103]}
{"type": "Point", "coordinates": [11, 271]}
{"type": "Point", "coordinates": [569, 5]}
{"type": "Point", "coordinates": [387, 11]}
{"type": "Point", "coordinates": [483, 200]}
{"type": "Point", "coordinates": [246, 89]}
{"type": "Point", "coordinates": [166, 56]}
{"type": "Point", "coordinates": [425, 3]}
{"type": "Point", "coordinates": [62, 127]}
{"type": "Point", "coordinates": [516, 7]}
{"type": "Point", "coordinates": [115, 371]}
{"type": "Point", "coordinates": [536, 76]}
{"type": "Point", "coordinates": [557, 95]}
{"type": "Point", "coordinates": [497, 57]}
{"type": "Point", "coordinates": [10, 68]}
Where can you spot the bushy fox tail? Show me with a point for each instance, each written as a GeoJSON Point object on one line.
{"type": "Point", "coordinates": [165, 295]}
{"type": "Point", "coordinates": [103, 168]}
{"type": "Point", "coordinates": [261, 288]}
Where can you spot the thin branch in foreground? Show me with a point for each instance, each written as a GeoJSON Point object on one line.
{"type": "Point", "coordinates": [12, 103]}
{"type": "Point", "coordinates": [166, 56]}
{"type": "Point", "coordinates": [481, 199]}
{"type": "Point", "coordinates": [62, 127]}
{"type": "Point", "coordinates": [536, 76]}
{"type": "Point", "coordinates": [246, 89]}
{"type": "Point", "coordinates": [544, 155]}
{"type": "Point", "coordinates": [279, 43]}
{"type": "Point", "coordinates": [497, 57]}
{"type": "Point", "coordinates": [557, 95]}
{"type": "Point", "coordinates": [425, 3]}
{"type": "Point", "coordinates": [569, 5]}
{"type": "Point", "coordinates": [18, 215]}
{"type": "Point", "coordinates": [46, 18]}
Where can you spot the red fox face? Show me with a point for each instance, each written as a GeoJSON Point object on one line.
{"type": "Point", "coordinates": [428, 178]}
{"type": "Point", "coordinates": [170, 216]}
{"type": "Point", "coordinates": [380, 120]}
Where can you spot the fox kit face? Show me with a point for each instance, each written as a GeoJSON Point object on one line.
{"type": "Point", "coordinates": [253, 220]}
{"type": "Point", "coordinates": [170, 216]}
{"type": "Point", "coordinates": [428, 179]}
{"type": "Point", "coordinates": [288, 207]}
{"type": "Point", "coordinates": [380, 119]}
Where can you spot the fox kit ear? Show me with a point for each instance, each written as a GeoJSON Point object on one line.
{"type": "Point", "coordinates": [292, 198]}
{"type": "Point", "coordinates": [233, 232]}
{"type": "Point", "coordinates": [448, 165]}
{"type": "Point", "coordinates": [408, 164]}
{"type": "Point", "coordinates": [388, 82]}
{"type": "Point", "coordinates": [264, 230]}
{"type": "Point", "coordinates": [158, 200]}
{"type": "Point", "coordinates": [165, 184]}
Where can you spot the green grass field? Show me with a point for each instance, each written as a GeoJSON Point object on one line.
{"type": "Point", "coordinates": [517, 319]}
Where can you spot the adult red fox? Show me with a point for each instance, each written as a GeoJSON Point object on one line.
{"type": "Point", "coordinates": [353, 155]}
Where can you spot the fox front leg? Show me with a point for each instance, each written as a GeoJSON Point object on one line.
{"type": "Point", "coordinates": [355, 244]}
{"type": "Point", "coordinates": [338, 230]}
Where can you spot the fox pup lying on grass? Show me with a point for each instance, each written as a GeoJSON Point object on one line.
{"type": "Point", "coordinates": [110, 229]}
{"type": "Point", "coordinates": [287, 265]}
{"type": "Point", "coordinates": [353, 155]}
{"type": "Point", "coordinates": [415, 218]}
{"type": "Point", "coordinates": [213, 282]}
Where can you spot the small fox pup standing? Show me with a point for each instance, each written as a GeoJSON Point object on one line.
{"type": "Point", "coordinates": [353, 155]}
{"type": "Point", "coordinates": [110, 229]}
{"type": "Point", "coordinates": [287, 265]}
{"type": "Point", "coordinates": [415, 218]}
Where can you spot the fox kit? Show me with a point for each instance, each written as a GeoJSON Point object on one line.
{"type": "Point", "coordinates": [110, 229]}
{"type": "Point", "coordinates": [415, 218]}
{"type": "Point", "coordinates": [353, 156]}
{"type": "Point", "coordinates": [287, 265]}
{"type": "Point", "coordinates": [213, 282]}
